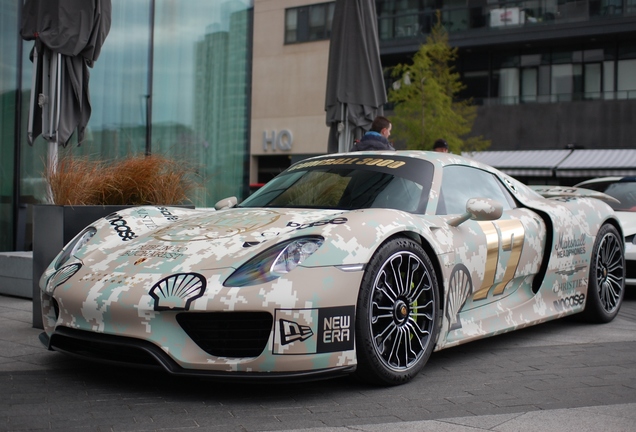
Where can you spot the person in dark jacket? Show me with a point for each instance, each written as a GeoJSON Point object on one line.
{"type": "Point", "coordinates": [377, 138]}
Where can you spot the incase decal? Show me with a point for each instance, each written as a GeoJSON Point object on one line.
{"type": "Point", "coordinates": [121, 227]}
{"type": "Point", "coordinates": [567, 303]}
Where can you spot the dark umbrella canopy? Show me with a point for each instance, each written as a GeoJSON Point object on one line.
{"type": "Point", "coordinates": [355, 84]}
{"type": "Point", "coordinates": [68, 37]}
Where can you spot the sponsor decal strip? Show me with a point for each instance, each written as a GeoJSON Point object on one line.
{"type": "Point", "coordinates": [382, 162]}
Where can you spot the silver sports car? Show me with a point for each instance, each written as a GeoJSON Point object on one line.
{"type": "Point", "coordinates": [359, 263]}
{"type": "Point", "coordinates": [624, 190]}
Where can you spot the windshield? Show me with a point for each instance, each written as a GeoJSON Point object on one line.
{"type": "Point", "coordinates": [349, 184]}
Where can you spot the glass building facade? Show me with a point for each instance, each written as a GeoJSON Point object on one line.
{"type": "Point", "coordinates": [172, 78]}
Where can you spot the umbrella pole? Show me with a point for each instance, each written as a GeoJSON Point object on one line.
{"type": "Point", "coordinates": [43, 97]}
{"type": "Point", "coordinates": [54, 111]}
{"type": "Point", "coordinates": [340, 128]}
{"type": "Point", "coordinates": [48, 102]}
{"type": "Point", "coordinates": [58, 98]}
{"type": "Point", "coordinates": [33, 98]}
{"type": "Point", "coordinates": [346, 140]}
{"type": "Point", "coordinates": [343, 129]}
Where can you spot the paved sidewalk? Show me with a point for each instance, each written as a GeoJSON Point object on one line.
{"type": "Point", "coordinates": [593, 419]}
{"type": "Point", "coordinates": [561, 376]}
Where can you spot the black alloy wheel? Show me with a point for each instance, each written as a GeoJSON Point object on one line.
{"type": "Point", "coordinates": [607, 276]}
{"type": "Point", "coordinates": [398, 314]}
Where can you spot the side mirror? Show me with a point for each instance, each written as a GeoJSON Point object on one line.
{"type": "Point", "coordinates": [480, 209]}
{"type": "Point", "coordinates": [226, 203]}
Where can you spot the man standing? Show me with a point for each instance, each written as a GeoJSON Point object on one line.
{"type": "Point", "coordinates": [440, 146]}
{"type": "Point", "coordinates": [377, 138]}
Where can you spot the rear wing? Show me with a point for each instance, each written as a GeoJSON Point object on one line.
{"type": "Point", "coordinates": [548, 191]}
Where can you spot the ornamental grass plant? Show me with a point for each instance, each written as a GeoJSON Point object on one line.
{"type": "Point", "coordinates": [135, 180]}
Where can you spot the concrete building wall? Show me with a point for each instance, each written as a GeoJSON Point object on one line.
{"type": "Point", "coordinates": [288, 87]}
{"type": "Point", "coordinates": [590, 124]}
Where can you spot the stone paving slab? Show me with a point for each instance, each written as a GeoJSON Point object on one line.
{"type": "Point", "coordinates": [595, 418]}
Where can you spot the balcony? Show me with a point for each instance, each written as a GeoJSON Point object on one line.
{"type": "Point", "coordinates": [413, 24]}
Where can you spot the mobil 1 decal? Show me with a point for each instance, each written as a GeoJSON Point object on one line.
{"type": "Point", "coordinates": [314, 331]}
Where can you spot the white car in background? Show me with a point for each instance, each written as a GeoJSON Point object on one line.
{"type": "Point", "coordinates": [624, 190]}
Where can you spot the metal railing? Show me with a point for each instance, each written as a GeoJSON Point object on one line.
{"type": "Point", "coordinates": [554, 98]}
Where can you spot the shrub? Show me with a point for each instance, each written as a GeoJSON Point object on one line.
{"type": "Point", "coordinates": [135, 180]}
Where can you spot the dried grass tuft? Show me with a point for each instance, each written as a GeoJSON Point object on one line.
{"type": "Point", "coordinates": [136, 180]}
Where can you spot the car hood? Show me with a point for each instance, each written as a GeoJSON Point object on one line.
{"type": "Point", "coordinates": [220, 239]}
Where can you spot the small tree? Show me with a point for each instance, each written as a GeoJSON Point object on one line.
{"type": "Point", "coordinates": [425, 98]}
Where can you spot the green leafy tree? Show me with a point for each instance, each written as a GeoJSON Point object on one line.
{"type": "Point", "coordinates": [425, 98]}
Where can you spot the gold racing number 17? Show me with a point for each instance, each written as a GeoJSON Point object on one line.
{"type": "Point", "coordinates": [503, 235]}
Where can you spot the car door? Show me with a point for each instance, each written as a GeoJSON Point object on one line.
{"type": "Point", "coordinates": [493, 259]}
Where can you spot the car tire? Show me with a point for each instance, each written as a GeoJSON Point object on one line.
{"type": "Point", "coordinates": [397, 318]}
{"type": "Point", "coordinates": [606, 286]}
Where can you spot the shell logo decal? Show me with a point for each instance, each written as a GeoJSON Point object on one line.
{"type": "Point", "coordinates": [178, 291]}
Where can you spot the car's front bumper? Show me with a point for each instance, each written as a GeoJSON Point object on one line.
{"type": "Point", "coordinates": [122, 351]}
{"type": "Point", "coordinates": [298, 325]}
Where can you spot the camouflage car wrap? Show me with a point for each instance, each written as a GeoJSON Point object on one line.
{"type": "Point", "coordinates": [187, 288]}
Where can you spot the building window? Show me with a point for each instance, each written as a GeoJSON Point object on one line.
{"type": "Point", "coordinates": [309, 23]}
{"type": "Point", "coordinates": [626, 79]}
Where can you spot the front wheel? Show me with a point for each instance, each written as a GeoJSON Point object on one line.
{"type": "Point", "coordinates": [398, 314]}
{"type": "Point", "coordinates": [607, 277]}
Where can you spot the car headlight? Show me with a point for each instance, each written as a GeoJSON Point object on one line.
{"type": "Point", "coordinates": [60, 276]}
{"type": "Point", "coordinates": [274, 262]}
{"type": "Point", "coordinates": [74, 246]}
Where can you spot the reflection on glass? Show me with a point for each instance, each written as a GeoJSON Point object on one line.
{"type": "Point", "coordinates": [529, 84]}
{"type": "Point", "coordinates": [200, 91]}
{"type": "Point", "coordinates": [509, 85]}
{"type": "Point", "coordinates": [117, 84]}
{"type": "Point", "coordinates": [562, 82]}
{"type": "Point", "coordinates": [608, 79]}
{"type": "Point", "coordinates": [291, 25]}
{"type": "Point", "coordinates": [197, 98]}
{"type": "Point", "coordinates": [626, 79]}
{"type": "Point", "coordinates": [592, 77]}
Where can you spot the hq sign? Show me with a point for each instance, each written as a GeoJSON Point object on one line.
{"type": "Point", "coordinates": [281, 141]}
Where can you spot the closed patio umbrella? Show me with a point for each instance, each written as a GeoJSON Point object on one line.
{"type": "Point", "coordinates": [355, 84]}
{"type": "Point", "coordinates": [68, 37]}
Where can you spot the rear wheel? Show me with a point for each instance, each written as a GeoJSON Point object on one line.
{"type": "Point", "coordinates": [607, 277]}
{"type": "Point", "coordinates": [398, 314]}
